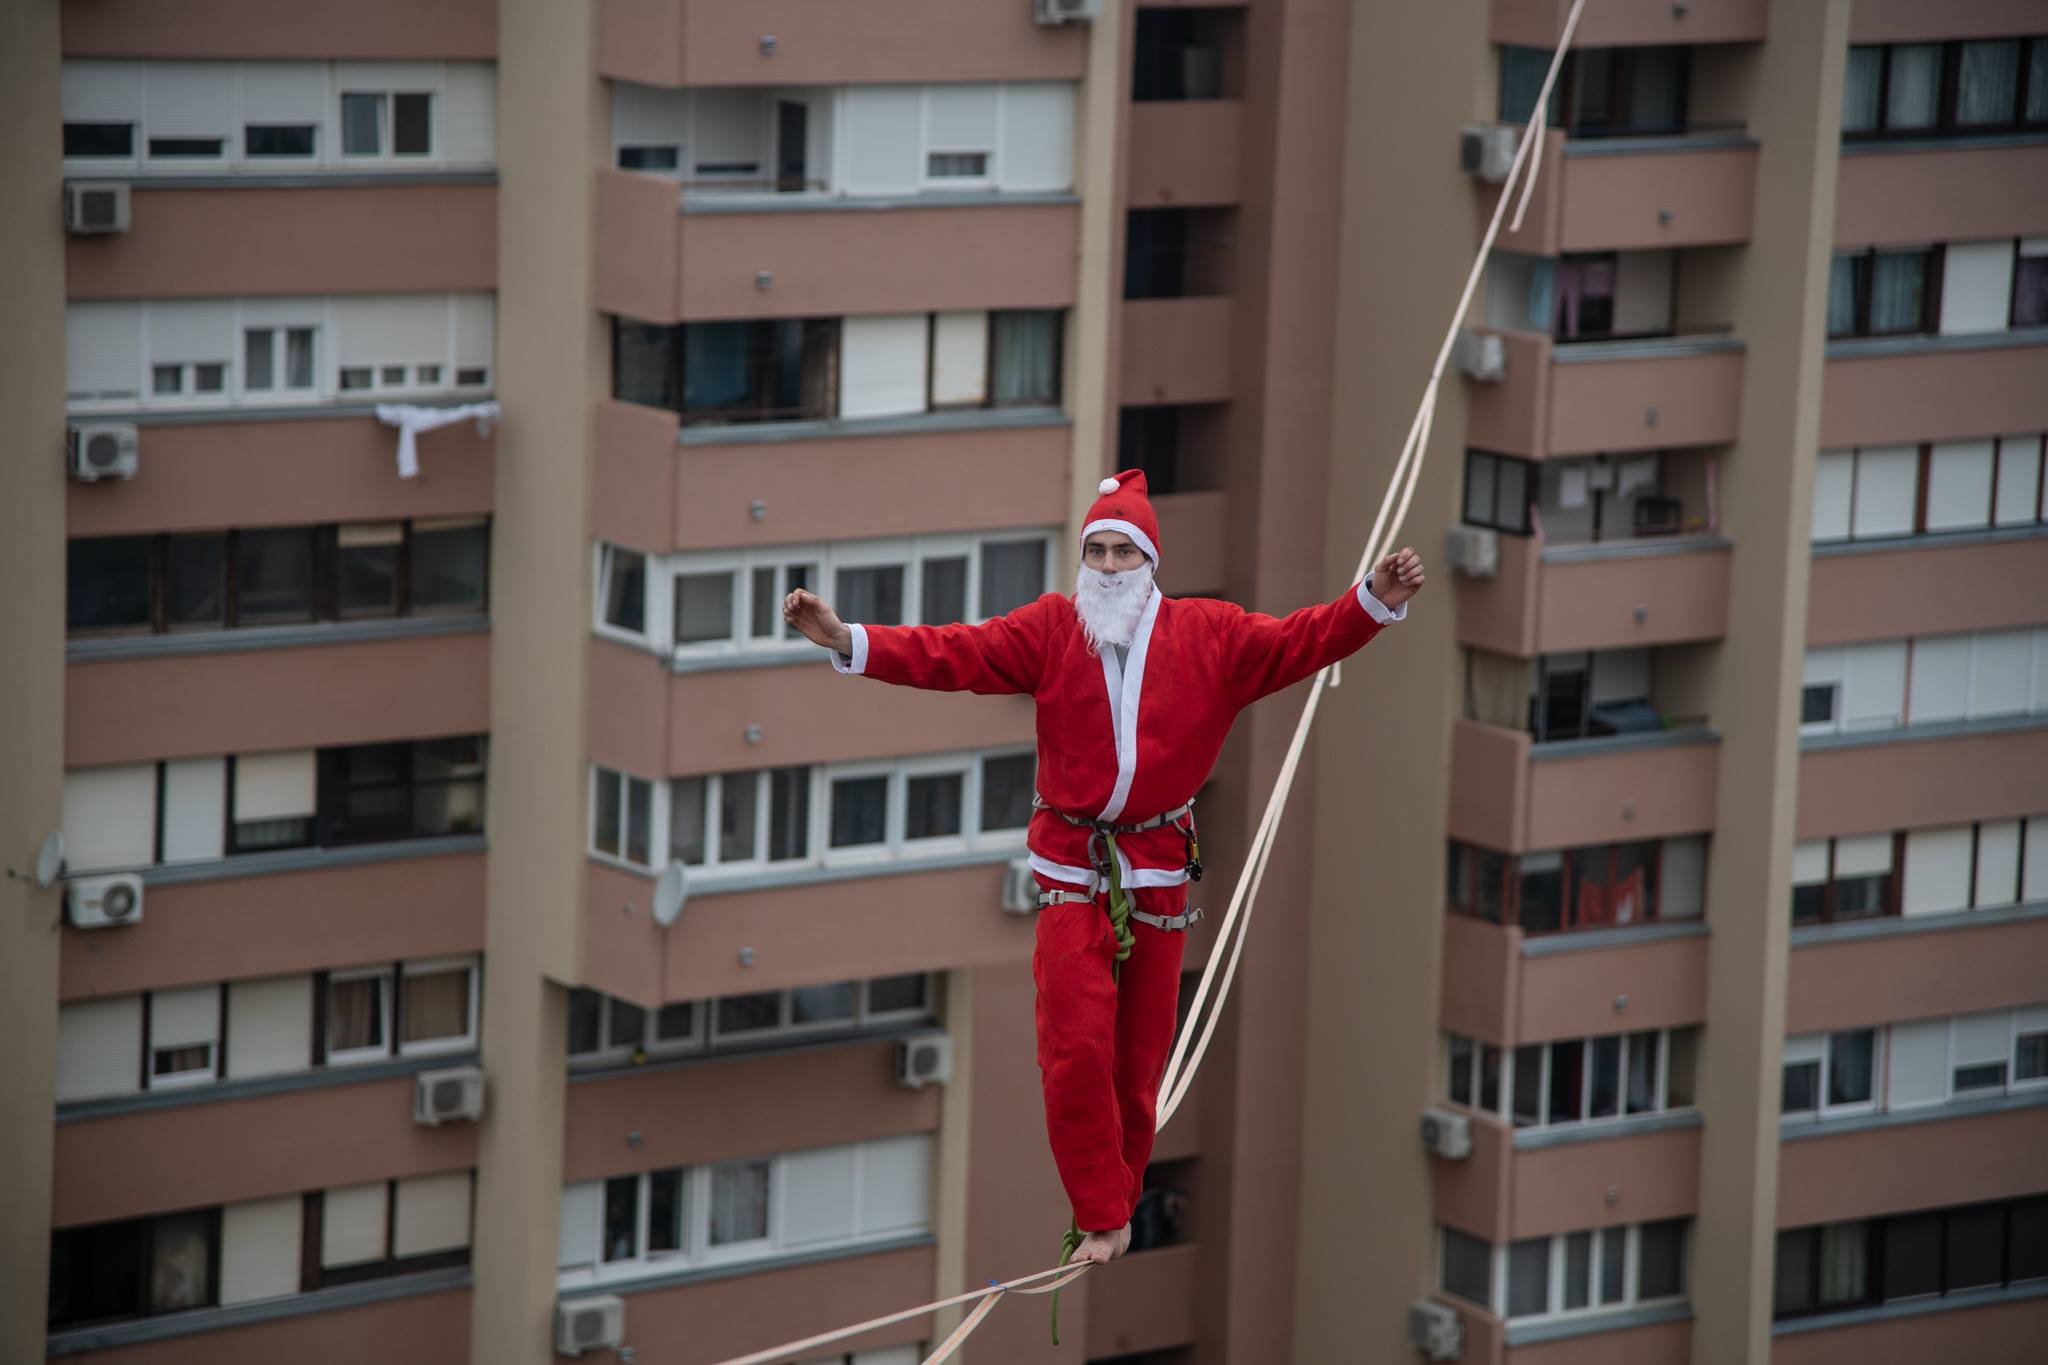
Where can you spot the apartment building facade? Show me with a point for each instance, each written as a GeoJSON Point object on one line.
{"type": "Point", "coordinates": [1736, 989]}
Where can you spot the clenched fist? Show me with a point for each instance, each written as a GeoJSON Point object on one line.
{"type": "Point", "coordinates": [1397, 578]}
{"type": "Point", "coordinates": [818, 623]}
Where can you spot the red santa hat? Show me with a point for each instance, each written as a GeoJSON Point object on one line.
{"type": "Point", "coordinates": [1124, 506]}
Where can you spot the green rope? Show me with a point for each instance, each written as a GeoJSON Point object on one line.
{"type": "Point", "coordinates": [1070, 1242]}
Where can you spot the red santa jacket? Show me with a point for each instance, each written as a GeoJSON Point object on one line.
{"type": "Point", "coordinates": [1122, 743]}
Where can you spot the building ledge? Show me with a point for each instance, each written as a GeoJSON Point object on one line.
{"type": "Point", "coordinates": [1716, 140]}
{"type": "Point", "coordinates": [816, 876]}
{"type": "Point", "coordinates": [1639, 547]}
{"type": "Point", "coordinates": [274, 412]}
{"type": "Point", "coordinates": [1629, 936]}
{"type": "Point", "coordinates": [1605, 1130]}
{"type": "Point", "coordinates": [700, 203]}
{"type": "Point", "coordinates": [258, 1087]}
{"type": "Point", "coordinates": [1933, 540]}
{"type": "Point", "coordinates": [1888, 926]}
{"type": "Point", "coordinates": [1594, 1324]}
{"type": "Point", "coordinates": [1911, 1308]}
{"type": "Point", "coordinates": [1793, 1130]}
{"type": "Point", "coordinates": [1860, 348]}
{"type": "Point", "coordinates": [712, 1274]}
{"type": "Point", "coordinates": [91, 649]}
{"type": "Point", "coordinates": [274, 180]}
{"type": "Point", "coordinates": [1597, 745]}
{"type": "Point", "coordinates": [1882, 146]}
{"type": "Point", "coordinates": [1909, 734]}
{"type": "Point", "coordinates": [735, 1052]}
{"type": "Point", "coordinates": [1645, 348]}
{"type": "Point", "coordinates": [310, 859]}
{"type": "Point", "coordinates": [909, 424]}
{"type": "Point", "coordinates": [78, 1340]}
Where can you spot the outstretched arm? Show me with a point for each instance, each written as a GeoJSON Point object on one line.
{"type": "Point", "coordinates": [1266, 654]}
{"type": "Point", "coordinates": [1005, 655]}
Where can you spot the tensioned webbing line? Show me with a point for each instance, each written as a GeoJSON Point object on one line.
{"type": "Point", "coordinates": [1386, 530]}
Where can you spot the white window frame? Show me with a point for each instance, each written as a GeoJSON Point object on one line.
{"type": "Point", "coordinates": [1554, 1310]}
{"type": "Point", "coordinates": [185, 1080]}
{"type": "Point", "coordinates": [870, 1017]}
{"type": "Point", "coordinates": [655, 635]}
{"type": "Point", "coordinates": [387, 131]}
{"type": "Point", "coordinates": [967, 767]}
{"type": "Point", "coordinates": [280, 341]}
{"type": "Point", "coordinates": [992, 171]}
{"type": "Point", "coordinates": [358, 1056]}
{"type": "Point", "coordinates": [700, 566]}
{"type": "Point", "coordinates": [438, 966]}
{"type": "Point", "coordinates": [2013, 1081]}
{"type": "Point", "coordinates": [657, 1046]}
{"type": "Point", "coordinates": [1585, 1118]}
{"type": "Point", "coordinates": [826, 777]}
{"type": "Point", "coordinates": [657, 815]}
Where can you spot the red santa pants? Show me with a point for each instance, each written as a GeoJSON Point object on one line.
{"type": "Point", "coordinates": [1103, 1043]}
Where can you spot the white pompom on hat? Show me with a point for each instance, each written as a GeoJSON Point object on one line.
{"type": "Point", "coordinates": [1125, 505]}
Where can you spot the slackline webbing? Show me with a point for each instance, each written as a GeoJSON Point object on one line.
{"type": "Point", "coordinates": [1386, 530]}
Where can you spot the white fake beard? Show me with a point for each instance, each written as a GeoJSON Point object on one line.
{"type": "Point", "coordinates": [1109, 604]}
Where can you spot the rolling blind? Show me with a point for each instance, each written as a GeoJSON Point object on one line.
{"type": "Point", "coordinates": [99, 1048]}
{"type": "Point", "coordinates": [960, 358]}
{"type": "Point", "coordinates": [1037, 151]}
{"type": "Point", "coordinates": [432, 1214]}
{"type": "Point", "coordinates": [818, 1192]}
{"type": "Point", "coordinates": [270, 1026]}
{"type": "Point", "coordinates": [469, 116]}
{"type": "Point", "coordinates": [110, 818]}
{"type": "Point", "coordinates": [191, 331]}
{"type": "Point", "coordinates": [284, 92]}
{"type": "Point", "coordinates": [195, 809]}
{"type": "Point", "coordinates": [582, 1225]}
{"type": "Point", "coordinates": [102, 351]}
{"type": "Point", "coordinates": [352, 1225]}
{"type": "Point", "coordinates": [184, 1018]}
{"type": "Point", "coordinates": [275, 786]}
{"type": "Point", "coordinates": [1917, 1064]}
{"type": "Point", "coordinates": [882, 365]}
{"type": "Point", "coordinates": [102, 92]}
{"type": "Point", "coordinates": [259, 1249]}
{"type": "Point", "coordinates": [192, 99]}
{"type": "Point", "coordinates": [896, 1176]}
{"type": "Point", "coordinates": [391, 329]}
{"type": "Point", "coordinates": [1937, 870]}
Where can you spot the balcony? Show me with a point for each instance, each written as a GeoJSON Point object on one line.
{"type": "Point", "coordinates": [1901, 1162]}
{"type": "Point", "coordinates": [1881, 590]}
{"type": "Point", "coordinates": [1511, 794]}
{"type": "Point", "coordinates": [1901, 390]}
{"type": "Point", "coordinates": [1507, 987]}
{"type": "Point", "coordinates": [370, 30]}
{"type": "Point", "coordinates": [831, 929]}
{"type": "Point", "coordinates": [1626, 1178]}
{"type": "Point", "coordinates": [1867, 972]}
{"type": "Point", "coordinates": [1184, 153]}
{"type": "Point", "coordinates": [797, 42]}
{"type": "Point", "coordinates": [283, 470]}
{"type": "Point", "coordinates": [1636, 193]}
{"type": "Point", "coordinates": [1924, 192]}
{"type": "Point", "coordinates": [1583, 397]}
{"type": "Point", "coordinates": [403, 907]}
{"type": "Point", "coordinates": [1988, 1326]}
{"type": "Point", "coordinates": [1899, 779]}
{"type": "Point", "coordinates": [1176, 351]}
{"type": "Point", "coordinates": [228, 242]}
{"type": "Point", "coordinates": [658, 262]}
{"type": "Point", "coordinates": [241, 700]}
{"type": "Point", "coordinates": [1909, 21]}
{"type": "Point", "coordinates": [1540, 23]}
{"type": "Point", "coordinates": [1197, 526]}
{"type": "Point", "coordinates": [428, 1311]}
{"type": "Point", "coordinates": [192, 1156]}
{"type": "Point", "coordinates": [1607, 595]}
{"type": "Point", "coordinates": [1148, 1305]}
{"type": "Point", "coordinates": [1664, 1339]}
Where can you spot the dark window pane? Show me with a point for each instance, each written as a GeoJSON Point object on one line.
{"type": "Point", "coordinates": [719, 366]}
{"type": "Point", "coordinates": [1642, 1072]}
{"type": "Point", "coordinates": [1862, 897]}
{"type": "Point", "coordinates": [1461, 1070]}
{"type": "Point", "coordinates": [944, 585]}
{"type": "Point", "coordinates": [639, 818]}
{"type": "Point", "coordinates": [96, 1272]}
{"type": "Point", "coordinates": [1468, 1268]}
{"type": "Point", "coordinates": [1489, 1078]}
{"type": "Point", "coordinates": [186, 146]}
{"type": "Point", "coordinates": [1807, 903]}
{"type": "Point", "coordinates": [1792, 1278]}
{"type": "Point", "coordinates": [369, 569]}
{"type": "Point", "coordinates": [665, 1211]}
{"type": "Point", "coordinates": [2028, 1259]}
{"type": "Point", "coordinates": [362, 125]}
{"type": "Point", "coordinates": [1912, 1256]}
{"type": "Point", "coordinates": [2031, 1057]}
{"type": "Point", "coordinates": [1528, 1085]}
{"type": "Point", "coordinates": [1682, 1065]}
{"type": "Point", "coordinates": [1975, 1248]}
{"type": "Point", "coordinates": [1542, 892]}
{"type": "Point", "coordinates": [1799, 1091]}
{"type": "Point", "coordinates": [628, 1024]}
{"type": "Point", "coordinates": [891, 994]}
{"type": "Point", "coordinates": [99, 139]}
{"type": "Point", "coordinates": [1012, 574]}
{"type": "Point", "coordinates": [1988, 84]}
{"type": "Point", "coordinates": [704, 607]}
{"type": "Point", "coordinates": [277, 139]}
{"type": "Point", "coordinates": [2030, 282]}
{"type": "Point", "coordinates": [625, 589]}
{"type": "Point", "coordinates": [1578, 1270]}
{"type": "Point", "coordinates": [1984, 1076]}
{"type": "Point", "coordinates": [1845, 1264]}
{"type": "Point", "coordinates": [1567, 1061]}
{"type": "Point", "coordinates": [181, 1262]}
{"type": "Point", "coordinates": [195, 568]}
{"type": "Point", "coordinates": [107, 583]}
{"type": "Point", "coordinates": [1850, 1056]}
{"type": "Point", "coordinates": [274, 576]}
{"type": "Point", "coordinates": [872, 596]}
{"type": "Point", "coordinates": [737, 816]}
{"type": "Point", "coordinates": [1860, 85]}
{"type": "Point", "coordinates": [606, 825]}
{"type": "Point", "coordinates": [644, 363]}
{"type": "Point", "coordinates": [1661, 1270]}
{"type": "Point", "coordinates": [621, 1217]}
{"type": "Point", "coordinates": [1817, 704]}
{"type": "Point", "coordinates": [931, 806]}
{"type": "Point", "coordinates": [764, 607]}
{"type": "Point", "coordinates": [178, 1061]}
{"type": "Point", "coordinates": [789, 813]}
{"type": "Point", "coordinates": [1007, 786]}
{"type": "Point", "coordinates": [749, 1013]}
{"type": "Point", "coordinates": [411, 124]}
{"type": "Point", "coordinates": [1897, 280]}
{"type": "Point", "coordinates": [1613, 1264]}
{"type": "Point", "coordinates": [834, 1004]}
{"type": "Point", "coordinates": [647, 158]}
{"type": "Point", "coordinates": [859, 811]}
{"type": "Point", "coordinates": [675, 1022]}
{"type": "Point", "coordinates": [1605, 1101]}
{"type": "Point", "coordinates": [1528, 1277]}
{"type": "Point", "coordinates": [448, 567]}
{"type": "Point", "coordinates": [586, 1011]}
{"type": "Point", "coordinates": [355, 1014]}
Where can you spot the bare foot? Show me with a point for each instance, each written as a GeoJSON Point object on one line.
{"type": "Point", "coordinates": [1104, 1247]}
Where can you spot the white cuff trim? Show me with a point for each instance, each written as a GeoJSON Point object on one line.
{"type": "Point", "coordinates": [1377, 609]}
{"type": "Point", "coordinates": [858, 664]}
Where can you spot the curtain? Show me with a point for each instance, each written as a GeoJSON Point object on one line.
{"type": "Point", "coordinates": [179, 1263]}
{"type": "Point", "coordinates": [1915, 84]}
{"type": "Point", "coordinates": [1844, 1262]}
{"type": "Point", "coordinates": [436, 1006]}
{"type": "Point", "coordinates": [1859, 89]}
{"type": "Point", "coordinates": [355, 1014]}
{"type": "Point", "coordinates": [1895, 285]}
{"type": "Point", "coordinates": [1642, 1072]}
{"type": "Point", "coordinates": [739, 1203]}
{"type": "Point", "coordinates": [1497, 689]}
{"type": "Point", "coordinates": [873, 596]}
{"type": "Point", "coordinates": [789, 813]}
{"type": "Point", "coordinates": [1988, 83]}
{"type": "Point", "coordinates": [1012, 574]}
{"type": "Point", "coordinates": [704, 607]}
{"type": "Point", "coordinates": [1025, 357]}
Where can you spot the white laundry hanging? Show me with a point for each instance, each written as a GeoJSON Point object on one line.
{"type": "Point", "coordinates": [411, 420]}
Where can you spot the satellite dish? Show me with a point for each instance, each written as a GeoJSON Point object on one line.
{"type": "Point", "coordinates": [670, 891]}
{"type": "Point", "coordinates": [50, 860]}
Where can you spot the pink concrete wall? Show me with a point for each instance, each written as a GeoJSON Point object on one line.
{"type": "Point", "coordinates": [1575, 801]}
{"type": "Point", "coordinates": [1538, 236]}
{"type": "Point", "coordinates": [935, 259]}
{"type": "Point", "coordinates": [629, 709]}
{"type": "Point", "coordinates": [225, 243]}
{"type": "Point", "coordinates": [1184, 153]}
{"type": "Point", "coordinates": [1606, 405]}
{"type": "Point", "coordinates": [1481, 974]}
{"type": "Point", "coordinates": [1472, 1194]}
{"type": "Point", "coordinates": [1860, 982]}
{"type": "Point", "coordinates": [1572, 994]}
{"type": "Point", "coordinates": [2001, 1334]}
{"type": "Point", "coordinates": [1924, 782]}
{"type": "Point", "coordinates": [1916, 1166]}
{"type": "Point", "coordinates": [283, 473]}
{"type": "Point", "coordinates": [1484, 1333]}
{"type": "Point", "coordinates": [1500, 613]}
{"type": "Point", "coordinates": [847, 1094]}
{"type": "Point", "coordinates": [638, 244]}
{"type": "Point", "coordinates": [1592, 604]}
{"type": "Point", "coordinates": [248, 29]}
{"type": "Point", "coordinates": [1928, 588]}
{"type": "Point", "coordinates": [1667, 1343]}
{"type": "Point", "coordinates": [1941, 195]}
{"type": "Point", "coordinates": [286, 922]}
{"type": "Point", "coordinates": [1564, 1189]}
{"type": "Point", "coordinates": [633, 479]}
{"type": "Point", "coordinates": [706, 42]}
{"type": "Point", "coordinates": [1177, 350]}
{"type": "Point", "coordinates": [1935, 396]}
{"type": "Point", "coordinates": [1511, 414]}
{"type": "Point", "coordinates": [700, 1323]}
{"type": "Point", "coordinates": [1489, 785]}
{"type": "Point", "coordinates": [1618, 202]}
{"type": "Point", "coordinates": [1196, 525]}
{"type": "Point", "coordinates": [202, 1154]}
{"type": "Point", "coordinates": [1147, 1304]}
{"type": "Point", "coordinates": [1627, 23]}
{"type": "Point", "coordinates": [431, 1329]}
{"type": "Point", "coordinates": [210, 704]}
{"type": "Point", "coordinates": [1907, 21]}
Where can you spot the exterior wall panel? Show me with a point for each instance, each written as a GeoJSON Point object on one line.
{"type": "Point", "coordinates": [1942, 1163]}
{"type": "Point", "coordinates": [1934, 395]}
{"type": "Point", "coordinates": [1565, 1188]}
{"type": "Point", "coordinates": [1860, 982]}
{"type": "Point", "coordinates": [1926, 588]}
{"type": "Point", "coordinates": [1177, 351]}
{"type": "Point", "coordinates": [1921, 782]}
{"type": "Point", "coordinates": [256, 30]}
{"type": "Point", "coordinates": [1184, 153]}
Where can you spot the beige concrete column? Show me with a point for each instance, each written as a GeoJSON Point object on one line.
{"type": "Point", "coordinates": [553, 129]}
{"type": "Point", "coordinates": [1775, 293]}
{"type": "Point", "coordinates": [31, 651]}
{"type": "Point", "coordinates": [955, 1152]}
{"type": "Point", "coordinates": [1364, 1249]}
{"type": "Point", "coordinates": [1091, 330]}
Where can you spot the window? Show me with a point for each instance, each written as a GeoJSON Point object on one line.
{"type": "Point", "coordinates": [365, 1232]}
{"type": "Point", "coordinates": [713, 372]}
{"type": "Point", "coordinates": [278, 360]}
{"type": "Point", "coordinates": [1830, 1073]}
{"type": "Point", "coordinates": [604, 1032]}
{"type": "Point", "coordinates": [622, 589]}
{"type": "Point", "coordinates": [1467, 1268]}
{"type": "Point", "coordinates": [1497, 492]}
{"type": "Point", "coordinates": [436, 1007]}
{"type": "Point", "coordinates": [1575, 1080]}
{"type": "Point", "coordinates": [1956, 89]}
{"type": "Point", "coordinates": [621, 815]}
{"type": "Point", "coordinates": [109, 1271]}
{"type": "Point", "coordinates": [420, 789]}
{"type": "Point", "coordinates": [1570, 1273]}
{"type": "Point", "coordinates": [1008, 787]}
{"type": "Point", "coordinates": [116, 140]}
{"type": "Point", "coordinates": [385, 124]}
{"type": "Point", "coordinates": [1844, 879]}
{"type": "Point", "coordinates": [357, 1016]}
{"type": "Point", "coordinates": [1600, 92]}
{"type": "Point", "coordinates": [1884, 292]}
{"type": "Point", "coordinates": [1585, 888]}
{"type": "Point", "coordinates": [1917, 1255]}
{"type": "Point", "coordinates": [1024, 358]}
{"type": "Point", "coordinates": [184, 1034]}
{"type": "Point", "coordinates": [859, 809]}
{"type": "Point", "coordinates": [2030, 270]}
{"type": "Point", "coordinates": [279, 140]}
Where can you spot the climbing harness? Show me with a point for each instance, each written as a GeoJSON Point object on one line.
{"type": "Point", "coordinates": [1386, 529]}
{"type": "Point", "coordinates": [1108, 864]}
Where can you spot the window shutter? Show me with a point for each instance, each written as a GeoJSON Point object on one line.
{"type": "Point", "coordinates": [648, 115]}
{"type": "Point", "coordinates": [103, 92]}
{"type": "Point", "coordinates": [1038, 137]}
{"type": "Point", "coordinates": [352, 1225]}
{"type": "Point", "coordinates": [1805, 1047]}
{"type": "Point", "coordinates": [1976, 286]}
{"type": "Point", "coordinates": [110, 818]}
{"type": "Point", "coordinates": [1681, 881]}
{"type": "Point", "coordinates": [818, 1190]}
{"type": "Point", "coordinates": [1887, 480]}
{"type": "Point", "coordinates": [184, 1018]}
{"type": "Point", "coordinates": [1917, 1064]}
{"type": "Point", "coordinates": [103, 351]}
{"type": "Point", "coordinates": [99, 1048]}
{"type": "Point", "coordinates": [1937, 871]}
{"type": "Point", "coordinates": [960, 118]}
{"type": "Point", "coordinates": [896, 1184]}
{"type": "Point", "coordinates": [1863, 855]}
{"type": "Point", "coordinates": [1998, 863]}
{"type": "Point", "coordinates": [1873, 685]}
{"type": "Point", "coordinates": [260, 1249]}
{"type": "Point", "coordinates": [432, 1214]}
{"type": "Point", "coordinates": [469, 114]}
{"type": "Point", "coordinates": [2001, 665]}
{"type": "Point", "coordinates": [474, 318]}
{"type": "Point", "coordinates": [270, 1026]}
{"type": "Point", "coordinates": [960, 358]}
{"type": "Point", "coordinates": [2019, 480]}
{"type": "Point", "coordinates": [391, 329]}
{"type": "Point", "coordinates": [2035, 860]}
{"type": "Point", "coordinates": [888, 1355]}
{"type": "Point", "coordinates": [884, 139]}
{"type": "Point", "coordinates": [195, 809]}
{"type": "Point", "coordinates": [1621, 675]}
{"type": "Point", "coordinates": [882, 365]}
{"type": "Point", "coordinates": [284, 92]}
{"type": "Point", "coordinates": [731, 126]}
{"type": "Point", "coordinates": [1982, 1038]}
{"type": "Point", "coordinates": [189, 331]}
{"type": "Point", "coordinates": [1833, 478]}
{"type": "Point", "coordinates": [274, 786]}
{"type": "Point", "coordinates": [1941, 678]}
{"type": "Point", "coordinates": [1810, 863]}
{"type": "Point", "coordinates": [191, 99]}
{"type": "Point", "coordinates": [582, 1225]}
{"type": "Point", "coordinates": [1959, 486]}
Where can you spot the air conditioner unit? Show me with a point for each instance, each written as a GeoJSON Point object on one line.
{"type": "Point", "coordinates": [445, 1096]}
{"type": "Point", "coordinates": [103, 902]}
{"type": "Point", "coordinates": [93, 206]}
{"type": "Point", "coordinates": [596, 1323]}
{"type": "Point", "coordinates": [1020, 888]}
{"type": "Point", "coordinates": [1446, 1134]}
{"type": "Point", "coordinates": [924, 1060]}
{"type": "Point", "coordinates": [1436, 1330]}
{"type": "Point", "coordinates": [1480, 355]}
{"type": "Point", "coordinates": [1473, 550]}
{"type": "Point", "coordinates": [102, 450]}
{"type": "Point", "coordinates": [1486, 151]}
{"type": "Point", "coordinates": [1065, 11]}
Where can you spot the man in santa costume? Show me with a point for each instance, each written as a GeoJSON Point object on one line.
{"type": "Point", "coordinates": [1136, 692]}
